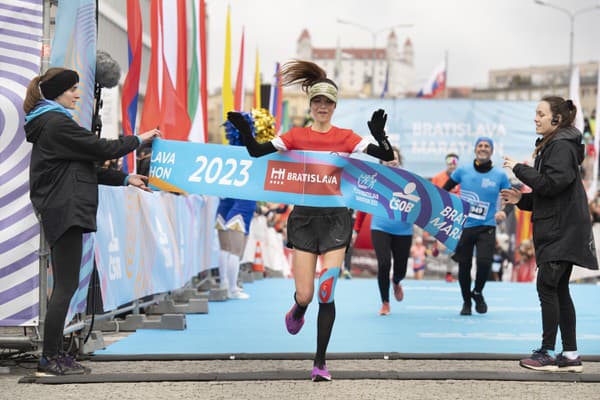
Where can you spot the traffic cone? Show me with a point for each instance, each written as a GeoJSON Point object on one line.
{"type": "Point", "coordinates": [258, 265]}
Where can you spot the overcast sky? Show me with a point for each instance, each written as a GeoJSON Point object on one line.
{"type": "Point", "coordinates": [479, 35]}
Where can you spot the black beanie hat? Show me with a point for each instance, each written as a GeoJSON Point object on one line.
{"type": "Point", "coordinates": [58, 84]}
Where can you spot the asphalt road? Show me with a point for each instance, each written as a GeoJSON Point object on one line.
{"type": "Point", "coordinates": [300, 388]}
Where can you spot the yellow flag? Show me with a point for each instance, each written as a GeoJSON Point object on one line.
{"type": "Point", "coordinates": [257, 104]}
{"type": "Point", "coordinates": [226, 92]}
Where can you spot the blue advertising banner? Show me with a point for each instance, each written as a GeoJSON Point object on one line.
{"type": "Point", "coordinates": [151, 243]}
{"type": "Point", "coordinates": [308, 178]}
{"type": "Point", "coordinates": [426, 130]}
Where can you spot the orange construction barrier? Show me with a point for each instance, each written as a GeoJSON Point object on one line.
{"type": "Point", "coordinates": [258, 259]}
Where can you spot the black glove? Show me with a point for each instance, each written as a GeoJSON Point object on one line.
{"type": "Point", "coordinates": [377, 125]}
{"type": "Point", "coordinates": [242, 125]}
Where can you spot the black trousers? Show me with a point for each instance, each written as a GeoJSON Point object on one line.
{"type": "Point", "coordinates": [66, 261]}
{"type": "Point", "coordinates": [386, 246]}
{"type": "Point", "coordinates": [557, 306]}
{"type": "Point", "coordinates": [482, 238]}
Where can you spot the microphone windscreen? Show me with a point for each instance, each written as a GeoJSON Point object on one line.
{"type": "Point", "coordinates": [108, 70]}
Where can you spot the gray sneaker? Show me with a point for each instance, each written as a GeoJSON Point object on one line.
{"type": "Point", "coordinates": [55, 366]}
{"type": "Point", "coordinates": [49, 367]}
{"type": "Point", "coordinates": [69, 362]}
{"type": "Point", "coordinates": [539, 360]}
{"type": "Point", "coordinates": [565, 364]}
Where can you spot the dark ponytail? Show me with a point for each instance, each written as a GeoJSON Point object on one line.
{"type": "Point", "coordinates": [559, 107]}
{"type": "Point", "coordinates": [565, 108]}
{"type": "Point", "coordinates": [305, 73]}
{"type": "Point", "coordinates": [33, 93]}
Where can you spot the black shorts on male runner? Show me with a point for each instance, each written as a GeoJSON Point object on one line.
{"type": "Point", "coordinates": [318, 230]}
{"type": "Point", "coordinates": [483, 238]}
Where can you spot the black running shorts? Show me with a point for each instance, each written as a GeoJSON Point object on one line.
{"type": "Point", "coordinates": [318, 230]}
{"type": "Point", "coordinates": [483, 238]}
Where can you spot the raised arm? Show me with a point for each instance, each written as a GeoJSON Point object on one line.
{"type": "Point", "coordinates": [255, 149]}
{"type": "Point", "coordinates": [383, 149]}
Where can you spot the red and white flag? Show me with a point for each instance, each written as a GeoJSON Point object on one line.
{"type": "Point", "coordinates": [436, 83]}
{"type": "Point", "coordinates": [167, 78]}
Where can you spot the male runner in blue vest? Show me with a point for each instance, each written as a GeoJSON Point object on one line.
{"type": "Point", "coordinates": [480, 185]}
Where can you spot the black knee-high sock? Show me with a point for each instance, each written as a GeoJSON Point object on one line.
{"type": "Point", "coordinates": [299, 310]}
{"type": "Point", "coordinates": [324, 327]}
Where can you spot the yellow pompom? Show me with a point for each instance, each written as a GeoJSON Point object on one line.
{"type": "Point", "coordinates": [264, 125]}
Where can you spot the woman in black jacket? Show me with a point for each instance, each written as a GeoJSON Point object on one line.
{"type": "Point", "coordinates": [562, 230]}
{"type": "Point", "coordinates": [63, 184]}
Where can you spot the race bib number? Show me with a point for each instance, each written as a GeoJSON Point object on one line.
{"type": "Point", "coordinates": [479, 210]}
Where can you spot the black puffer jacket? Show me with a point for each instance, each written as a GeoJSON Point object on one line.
{"type": "Point", "coordinates": [63, 179]}
{"type": "Point", "coordinates": [562, 228]}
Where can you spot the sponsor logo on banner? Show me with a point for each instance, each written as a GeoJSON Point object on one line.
{"type": "Point", "coordinates": [364, 189]}
{"type": "Point", "coordinates": [319, 179]}
{"type": "Point", "coordinates": [366, 181]}
{"type": "Point", "coordinates": [404, 200]}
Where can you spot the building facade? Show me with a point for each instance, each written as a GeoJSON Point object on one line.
{"type": "Point", "coordinates": [353, 68]}
{"type": "Point", "coordinates": [533, 83]}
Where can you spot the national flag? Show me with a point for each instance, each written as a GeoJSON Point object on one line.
{"type": "Point", "coordinates": [238, 100]}
{"type": "Point", "coordinates": [436, 83]}
{"type": "Point", "coordinates": [285, 116]}
{"type": "Point", "coordinates": [257, 102]}
{"type": "Point", "coordinates": [174, 120]}
{"type": "Point", "coordinates": [386, 82]}
{"type": "Point", "coordinates": [226, 93]}
{"type": "Point", "coordinates": [197, 88]}
{"type": "Point", "coordinates": [275, 99]}
{"type": "Point", "coordinates": [151, 110]}
{"type": "Point", "coordinates": [129, 95]}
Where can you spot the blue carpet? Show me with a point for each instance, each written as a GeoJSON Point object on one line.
{"type": "Point", "coordinates": [427, 321]}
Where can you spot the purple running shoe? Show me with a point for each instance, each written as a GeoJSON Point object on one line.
{"type": "Point", "coordinates": [320, 374]}
{"type": "Point", "coordinates": [293, 325]}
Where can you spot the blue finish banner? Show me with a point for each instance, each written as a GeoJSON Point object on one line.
{"type": "Point", "coordinates": [317, 179]}
{"type": "Point", "coordinates": [426, 130]}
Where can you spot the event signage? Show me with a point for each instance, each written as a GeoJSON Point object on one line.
{"type": "Point", "coordinates": [425, 130]}
{"type": "Point", "coordinates": [317, 179]}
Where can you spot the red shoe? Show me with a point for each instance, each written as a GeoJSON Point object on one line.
{"type": "Point", "coordinates": [385, 308]}
{"type": "Point", "coordinates": [398, 292]}
{"type": "Point", "coordinates": [449, 278]}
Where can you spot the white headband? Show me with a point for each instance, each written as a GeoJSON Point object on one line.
{"type": "Point", "coordinates": [323, 89]}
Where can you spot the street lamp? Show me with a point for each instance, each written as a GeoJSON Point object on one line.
{"type": "Point", "coordinates": [374, 34]}
{"type": "Point", "coordinates": [571, 15]}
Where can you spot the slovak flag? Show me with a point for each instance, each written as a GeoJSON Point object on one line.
{"type": "Point", "coordinates": [436, 84]}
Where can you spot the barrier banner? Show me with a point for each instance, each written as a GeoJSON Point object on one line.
{"type": "Point", "coordinates": [308, 178]}
{"type": "Point", "coordinates": [426, 130]}
{"type": "Point", "coordinates": [20, 48]}
{"type": "Point", "coordinates": [149, 243]}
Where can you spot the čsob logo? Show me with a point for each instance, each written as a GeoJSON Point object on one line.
{"type": "Point", "coordinates": [405, 200]}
